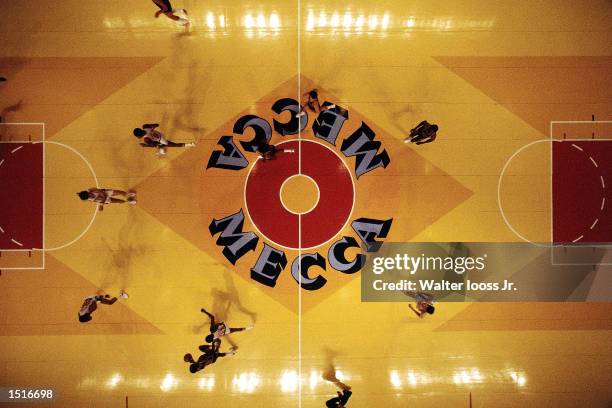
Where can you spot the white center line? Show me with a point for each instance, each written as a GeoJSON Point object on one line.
{"type": "Point", "coordinates": [578, 147]}
{"type": "Point", "coordinates": [578, 239]}
{"type": "Point", "coordinates": [299, 98]}
{"type": "Point", "coordinates": [603, 203]}
{"type": "Point", "coordinates": [594, 162]}
{"type": "Point", "coordinates": [1, 161]}
{"type": "Point", "coordinates": [1, 230]}
{"type": "Point", "coordinates": [15, 149]}
{"type": "Point", "coordinates": [603, 185]}
{"type": "Point", "coordinates": [594, 223]}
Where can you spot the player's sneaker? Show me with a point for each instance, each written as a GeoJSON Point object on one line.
{"type": "Point", "coordinates": [123, 295]}
{"type": "Point", "coordinates": [190, 144]}
{"type": "Point", "coordinates": [249, 328]}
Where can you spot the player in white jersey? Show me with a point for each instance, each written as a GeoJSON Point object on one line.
{"type": "Point", "coordinates": [220, 329]}
{"type": "Point", "coordinates": [424, 303]}
{"type": "Point", "coordinates": [311, 100]}
{"type": "Point", "coordinates": [90, 304]}
{"type": "Point", "coordinates": [178, 15]}
{"type": "Point", "coordinates": [156, 139]}
{"type": "Point", "coordinates": [105, 196]}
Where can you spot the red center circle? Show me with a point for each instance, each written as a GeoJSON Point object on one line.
{"type": "Point", "coordinates": [325, 220]}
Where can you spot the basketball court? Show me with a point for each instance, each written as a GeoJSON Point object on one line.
{"type": "Point", "coordinates": [522, 97]}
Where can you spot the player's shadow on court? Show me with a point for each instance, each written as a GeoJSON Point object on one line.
{"type": "Point", "coordinates": [329, 367]}
{"type": "Point", "coordinates": [128, 252]}
{"type": "Point", "coordinates": [186, 116]}
{"type": "Point", "coordinates": [5, 116]}
{"type": "Point", "coordinates": [223, 302]}
{"type": "Point", "coordinates": [403, 116]}
{"type": "Point", "coordinates": [125, 161]}
{"type": "Point", "coordinates": [398, 116]}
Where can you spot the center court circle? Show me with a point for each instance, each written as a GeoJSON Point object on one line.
{"type": "Point", "coordinates": [299, 194]}
{"type": "Point", "coordinates": [284, 226]}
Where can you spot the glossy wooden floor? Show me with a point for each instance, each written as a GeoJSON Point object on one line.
{"type": "Point", "coordinates": [492, 75]}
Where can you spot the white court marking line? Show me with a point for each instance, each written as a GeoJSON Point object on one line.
{"type": "Point", "coordinates": [1, 161]}
{"type": "Point", "coordinates": [44, 192]}
{"type": "Point", "coordinates": [582, 140]}
{"type": "Point", "coordinates": [499, 187]}
{"type": "Point", "coordinates": [93, 218]}
{"type": "Point", "coordinates": [578, 147]}
{"type": "Point", "coordinates": [17, 242]}
{"type": "Point", "coordinates": [348, 219]}
{"type": "Point", "coordinates": [580, 121]}
{"type": "Point", "coordinates": [26, 142]}
{"type": "Point", "coordinates": [299, 97]}
{"type": "Point", "coordinates": [603, 200]}
{"type": "Point", "coordinates": [280, 195]}
{"type": "Point", "coordinates": [34, 268]}
{"type": "Point", "coordinates": [15, 149]}
{"type": "Point", "coordinates": [1, 230]}
{"type": "Point", "coordinates": [22, 123]}
{"type": "Point", "coordinates": [603, 186]}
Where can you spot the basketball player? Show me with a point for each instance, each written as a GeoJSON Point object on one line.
{"type": "Point", "coordinates": [166, 8]}
{"type": "Point", "coordinates": [424, 303]}
{"type": "Point", "coordinates": [266, 151]}
{"type": "Point", "coordinates": [330, 375]}
{"type": "Point", "coordinates": [154, 138]}
{"type": "Point", "coordinates": [210, 356]}
{"type": "Point", "coordinates": [341, 400]}
{"type": "Point", "coordinates": [218, 330]}
{"type": "Point", "coordinates": [90, 304]}
{"type": "Point", "coordinates": [312, 102]}
{"type": "Point", "coordinates": [423, 133]}
{"type": "Point", "coordinates": [104, 196]}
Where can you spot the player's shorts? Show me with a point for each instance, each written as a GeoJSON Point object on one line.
{"type": "Point", "coordinates": [164, 5]}
{"type": "Point", "coordinates": [108, 192]}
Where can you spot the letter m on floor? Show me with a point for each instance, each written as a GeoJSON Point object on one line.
{"type": "Point", "coordinates": [235, 242]}
{"type": "Point", "coordinates": [362, 145]}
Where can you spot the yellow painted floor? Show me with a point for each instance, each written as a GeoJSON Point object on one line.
{"type": "Point", "coordinates": [492, 75]}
